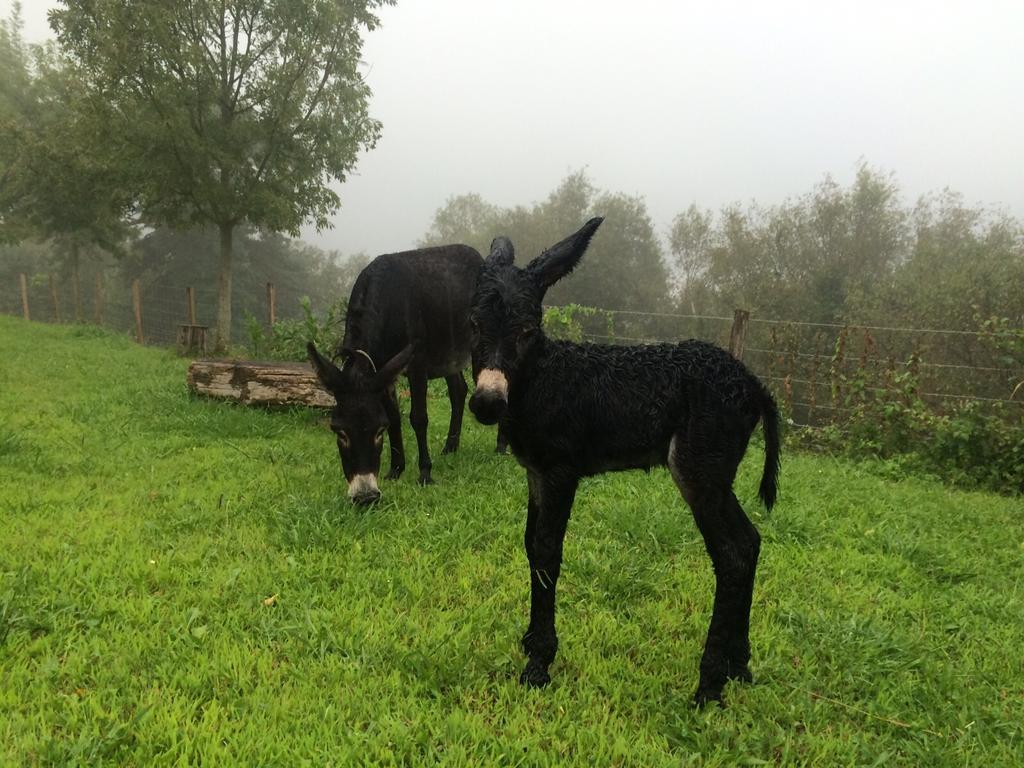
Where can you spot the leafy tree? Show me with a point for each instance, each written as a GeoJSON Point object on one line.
{"type": "Point", "coordinates": [624, 268]}
{"type": "Point", "coordinates": [227, 112]}
{"type": "Point", "coordinates": [964, 264]}
{"type": "Point", "coordinates": [15, 67]}
{"type": "Point", "coordinates": [805, 259]}
{"type": "Point", "coordinates": [690, 242]}
{"type": "Point", "coordinates": [463, 219]}
{"type": "Point", "coordinates": [16, 102]}
{"type": "Point", "coordinates": [58, 185]}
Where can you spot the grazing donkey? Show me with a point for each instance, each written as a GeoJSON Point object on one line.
{"type": "Point", "coordinates": [573, 410]}
{"type": "Point", "coordinates": [408, 311]}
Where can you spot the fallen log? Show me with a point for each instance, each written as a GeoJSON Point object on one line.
{"type": "Point", "coordinates": [259, 383]}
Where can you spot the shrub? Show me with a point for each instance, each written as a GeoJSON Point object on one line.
{"type": "Point", "coordinates": [973, 445]}
{"type": "Point", "coordinates": [287, 340]}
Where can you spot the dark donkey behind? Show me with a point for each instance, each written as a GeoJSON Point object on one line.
{"type": "Point", "coordinates": [408, 311]}
{"type": "Point", "coordinates": [573, 410]}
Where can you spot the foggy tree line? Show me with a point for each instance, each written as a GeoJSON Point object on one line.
{"type": "Point", "coordinates": [73, 198]}
{"type": "Point", "coordinates": [836, 254]}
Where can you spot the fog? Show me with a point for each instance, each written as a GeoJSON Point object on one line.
{"type": "Point", "coordinates": [678, 102]}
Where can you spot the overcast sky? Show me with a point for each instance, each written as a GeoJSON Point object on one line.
{"type": "Point", "coordinates": [680, 102]}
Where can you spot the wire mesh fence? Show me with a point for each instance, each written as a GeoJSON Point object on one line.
{"type": "Point", "coordinates": [159, 308]}
{"type": "Point", "coordinates": [822, 371]}
{"type": "Point", "coordinates": [818, 371]}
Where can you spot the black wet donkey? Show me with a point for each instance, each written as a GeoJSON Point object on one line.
{"type": "Point", "coordinates": [408, 311]}
{"type": "Point", "coordinates": [573, 410]}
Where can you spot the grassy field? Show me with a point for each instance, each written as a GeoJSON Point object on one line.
{"type": "Point", "coordinates": [183, 581]}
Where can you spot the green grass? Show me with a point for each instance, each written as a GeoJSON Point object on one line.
{"type": "Point", "coordinates": [142, 531]}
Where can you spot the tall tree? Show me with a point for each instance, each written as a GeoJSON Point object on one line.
{"type": "Point", "coordinates": [17, 103]}
{"type": "Point", "coordinates": [227, 111]}
{"type": "Point", "coordinates": [625, 265]}
{"type": "Point", "coordinates": [58, 182]}
{"type": "Point", "coordinates": [690, 241]}
{"type": "Point", "coordinates": [61, 184]}
{"type": "Point", "coordinates": [804, 259]}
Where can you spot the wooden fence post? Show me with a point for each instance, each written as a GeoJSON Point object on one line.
{"type": "Point", "coordinates": [24, 295]}
{"type": "Point", "coordinates": [56, 302]}
{"type": "Point", "coordinates": [137, 307]}
{"type": "Point", "coordinates": [98, 301]}
{"type": "Point", "coordinates": [739, 332]}
{"type": "Point", "coordinates": [272, 304]}
{"type": "Point", "coordinates": [190, 297]}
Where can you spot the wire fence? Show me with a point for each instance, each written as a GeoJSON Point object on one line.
{"type": "Point", "coordinates": [152, 311]}
{"type": "Point", "coordinates": [821, 371]}
{"type": "Point", "coordinates": [818, 371]}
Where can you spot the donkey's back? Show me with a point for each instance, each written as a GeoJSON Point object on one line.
{"type": "Point", "coordinates": [418, 297]}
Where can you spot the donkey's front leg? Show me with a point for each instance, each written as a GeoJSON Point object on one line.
{"type": "Point", "coordinates": [394, 433]}
{"type": "Point", "coordinates": [418, 419]}
{"type": "Point", "coordinates": [551, 498]}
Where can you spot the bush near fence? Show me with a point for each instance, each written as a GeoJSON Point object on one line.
{"type": "Point", "coordinates": [939, 401]}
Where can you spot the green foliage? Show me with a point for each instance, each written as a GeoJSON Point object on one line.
{"type": "Point", "coordinates": [184, 582]}
{"type": "Point", "coordinates": [805, 259]}
{"type": "Point", "coordinates": [291, 336]}
{"type": "Point", "coordinates": [232, 111]}
{"type": "Point", "coordinates": [227, 112]}
{"type": "Point", "coordinates": [973, 445]}
{"type": "Point", "coordinates": [1001, 335]}
{"type": "Point", "coordinates": [59, 180]}
{"type": "Point", "coordinates": [852, 254]}
{"type": "Point", "coordinates": [568, 321]}
{"type": "Point", "coordinates": [624, 267]}
{"type": "Point", "coordinates": [288, 338]}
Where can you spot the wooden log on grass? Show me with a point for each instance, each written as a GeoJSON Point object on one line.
{"type": "Point", "coordinates": [259, 383]}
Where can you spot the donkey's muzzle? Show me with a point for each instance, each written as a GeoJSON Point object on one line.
{"type": "Point", "coordinates": [490, 396]}
{"type": "Point", "coordinates": [363, 490]}
{"type": "Point", "coordinates": [487, 406]}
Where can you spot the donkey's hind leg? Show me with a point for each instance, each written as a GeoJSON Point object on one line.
{"type": "Point", "coordinates": [733, 544]}
{"type": "Point", "coordinates": [457, 390]}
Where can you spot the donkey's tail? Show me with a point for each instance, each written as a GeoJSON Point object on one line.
{"type": "Point", "coordinates": [770, 422]}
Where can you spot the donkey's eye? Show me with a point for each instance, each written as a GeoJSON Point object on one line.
{"type": "Point", "coordinates": [526, 333]}
{"type": "Point", "coordinates": [343, 439]}
{"type": "Point", "coordinates": [379, 437]}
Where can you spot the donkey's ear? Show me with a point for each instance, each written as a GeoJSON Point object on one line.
{"type": "Point", "coordinates": [560, 259]}
{"type": "Point", "coordinates": [502, 253]}
{"type": "Point", "coordinates": [392, 369]}
{"type": "Point", "coordinates": [326, 371]}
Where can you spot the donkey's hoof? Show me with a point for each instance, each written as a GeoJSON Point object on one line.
{"type": "Point", "coordinates": [395, 473]}
{"type": "Point", "coordinates": [534, 676]}
{"type": "Point", "coordinates": [450, 447]}
{"type": "Point", "coordinates": [740, 674]}
{"type": "Point", "coordinates": [705, 696]}
{"type": "Point", "coordinates": [426, 480]}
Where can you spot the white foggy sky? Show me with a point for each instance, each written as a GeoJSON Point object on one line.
{"type": "Point", "coordinates": [680, 102]}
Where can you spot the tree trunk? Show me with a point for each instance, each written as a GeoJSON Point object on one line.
{"type": "Point", "coordinates": [224, 288]}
